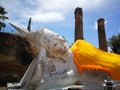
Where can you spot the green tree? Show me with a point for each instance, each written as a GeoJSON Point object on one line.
{"type": "Point", "coordinates": [114, 43]}
{"type": "Point", "coordinates": [2, 17]}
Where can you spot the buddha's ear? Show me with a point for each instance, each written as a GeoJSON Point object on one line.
{"type": "Point", "coordinates": [22, 31]}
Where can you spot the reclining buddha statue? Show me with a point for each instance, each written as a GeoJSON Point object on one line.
{"type": "Point", "coordinates": [57, 65]}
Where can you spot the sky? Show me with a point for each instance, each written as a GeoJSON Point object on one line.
{"type": "Point", "coordinates": [58, 16]}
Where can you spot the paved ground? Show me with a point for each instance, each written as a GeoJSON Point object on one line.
{"type": "Point", "coordinates": [3, 88]}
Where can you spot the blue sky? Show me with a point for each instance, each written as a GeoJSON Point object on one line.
{"type": "Point", "coordinates": [58, 16]}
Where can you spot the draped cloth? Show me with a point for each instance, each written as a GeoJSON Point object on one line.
{"type": "Point", "coordinates": [87, 56]}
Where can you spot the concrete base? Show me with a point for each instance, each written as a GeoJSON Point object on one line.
{"type": "Point", "coordinates": [75, 87]}
{"type": "Point", "coordinates": [14, 86]}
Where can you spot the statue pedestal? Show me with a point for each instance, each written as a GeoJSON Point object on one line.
{"type": "Point", "coordinates": [75, 87]}
{"type": "Point", "coordinates": [14, 86]}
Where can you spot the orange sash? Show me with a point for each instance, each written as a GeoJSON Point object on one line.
{"type": "Point", "coordinates": [86, 56]}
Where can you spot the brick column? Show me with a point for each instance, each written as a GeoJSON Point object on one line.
{"type": "Point", "coordinates": [102, 34]}
{"type": "Point", "coordinates": [78, 24]}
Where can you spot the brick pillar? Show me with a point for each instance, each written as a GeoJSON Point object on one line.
{"type": "Point", "coordinates": [102, 34]}
{"type": "Point", "coordinates": [78, 24]}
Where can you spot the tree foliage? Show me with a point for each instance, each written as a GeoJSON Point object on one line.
{"type": "Point", "coordinates": [114, 43]}
{"type": "Point", "coordinates": [3, 17]}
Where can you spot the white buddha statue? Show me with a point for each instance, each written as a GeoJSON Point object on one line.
{"type": "Point", "coordinates": [53, 65]}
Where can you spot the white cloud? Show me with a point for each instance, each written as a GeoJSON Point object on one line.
{"type": "Point", "coordinates": [88, 4]}
{"type": "Point", "coordinates": [95, 25]}
{"type": "Point", "coordinates": [47, 17]}
{"type": "Point", "coordinates": [45, 11]}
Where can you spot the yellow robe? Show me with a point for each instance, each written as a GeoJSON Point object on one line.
{"type": "Point", "coordinates": [86, 56]}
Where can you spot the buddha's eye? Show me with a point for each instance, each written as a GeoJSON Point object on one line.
{"type": "Point", "coordinates": [55, 44]}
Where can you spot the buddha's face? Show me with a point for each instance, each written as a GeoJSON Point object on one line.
{"type": "Point", "coordinates": [54, 44]}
